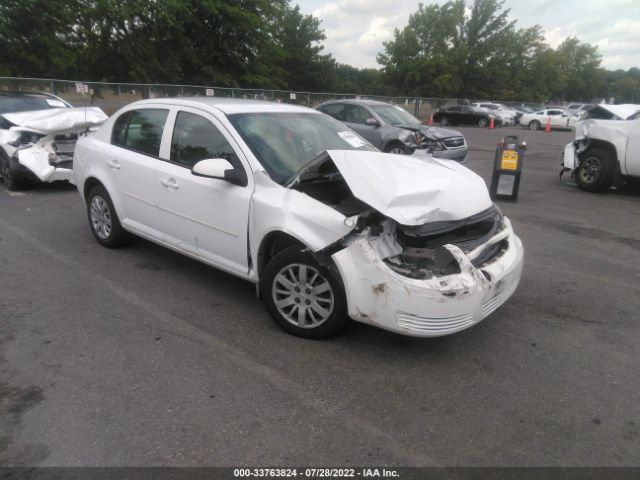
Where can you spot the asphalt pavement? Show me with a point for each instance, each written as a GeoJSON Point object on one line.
{"type": "Point", "coordinates": [140, 356]}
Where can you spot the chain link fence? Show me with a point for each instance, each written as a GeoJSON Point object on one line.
{"type": "Point", "coordinates": [112, 96]}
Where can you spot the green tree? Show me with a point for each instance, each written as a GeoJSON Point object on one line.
{"type": "Point", "coordinates": [35, 37]}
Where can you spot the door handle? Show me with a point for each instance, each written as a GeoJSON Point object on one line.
{"type": "Point", "coordinates": [114, 164]}
{"type": "Point", "coordinates": [170, 183]}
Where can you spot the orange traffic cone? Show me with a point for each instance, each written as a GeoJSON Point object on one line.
{"type": "Point", "coordinates": [547, 127]}
{"type": "Point", "coordinates": [430, 121]}
{"type": "Point", "coordinates": [491, 123]}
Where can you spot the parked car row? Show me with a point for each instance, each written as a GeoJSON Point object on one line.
{"type": "Point", "coordinates": [328, 227]}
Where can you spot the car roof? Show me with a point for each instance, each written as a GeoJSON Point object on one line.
{"type": "Point", "coordinates": [226, 105]}
{"type": "Point", "coordinates": [356, 101]}
{"type": "Point", "coordinates": [26, 94]}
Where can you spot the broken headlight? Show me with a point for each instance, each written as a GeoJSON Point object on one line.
{"type": "Point", "coordinates": [424, 263]}
{"type": "Point", "coordinates": [26, 140]}
{"type": "Point", "coordinates": [432, 145]}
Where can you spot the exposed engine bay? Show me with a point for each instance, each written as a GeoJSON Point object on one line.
{"type": "Point", "coordinates": [415, 251]}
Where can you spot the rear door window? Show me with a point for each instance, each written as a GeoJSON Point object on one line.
{"type": "Point", "coordinates": [140, 130]}
{"type": "Point", "coordinates": [336, 110]}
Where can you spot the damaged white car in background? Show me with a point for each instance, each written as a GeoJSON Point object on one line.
{"type": "Point", "coordinates": [606, 148]}
{"type": "Point", "coordinates": [37, 146]}
{"type": "Point", "coordinates": [326, 226]}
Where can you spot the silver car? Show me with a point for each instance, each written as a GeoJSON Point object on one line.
{"type": "Point", "coordinates": [392, 129]}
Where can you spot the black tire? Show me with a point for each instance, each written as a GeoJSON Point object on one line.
{"type": "Point", "coordinates": [282, 265]}
{"type": "Point", "coordinates": [596, 170]}
{"type": "Point", "coordinates": [115, 235]}
{"type": "Point", "coordinates": [11, 176]}
{"type": "Point", "coordinates": [444, 121]}
{"type": "Point", "coordinates": [534, 125]}
{"type": "Point", "coordinates": [482, 123]}
{"type": "Point", "coordinates": [396, 148]}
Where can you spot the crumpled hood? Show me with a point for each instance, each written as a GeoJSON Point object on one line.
{"type": "Point", "coordinates": [57, 120]}
{"type": "Point", "coordinates": [623, 111]}
{"type": "Point", "coordinates": [412, 191]}
{"type": "Point", "coordinates": [435, 133]}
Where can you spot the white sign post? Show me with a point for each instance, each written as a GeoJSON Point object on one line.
{"type": "Point", "coordinates": [209, 92]}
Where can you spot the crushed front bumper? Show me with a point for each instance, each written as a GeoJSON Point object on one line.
{"type": "Point", "coordinates": [428, 308]}
{"type": "Point", "coordinates": [45, 165]}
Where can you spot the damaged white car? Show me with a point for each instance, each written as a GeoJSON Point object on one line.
{"type": "Point", "coordinates": [38, 133]}
{"type": "Point", "coordinates": [606, 148]}
{"type": "Point", "coordinates": [326, 226]}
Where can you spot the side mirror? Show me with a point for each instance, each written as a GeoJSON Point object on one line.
{"type": "Point", "coordinates": [221, 169]}
{"type": "Point", "coordinates": [371, 121]}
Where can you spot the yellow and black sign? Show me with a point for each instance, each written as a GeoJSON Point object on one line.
{"type": "Point", "coordinates": [507, 169]}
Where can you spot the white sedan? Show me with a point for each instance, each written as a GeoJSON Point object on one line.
{"type": "Point", "coordinates": [326, 226]}
{"type": "Point", "coordinates": [557, 117]}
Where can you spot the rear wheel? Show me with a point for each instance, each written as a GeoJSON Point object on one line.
{"type": "Point", "coordinates": [303, 297]}
{"type": "Point", "coordinates": [596, 170]}
{"type": "Point", "coordinates": [534, 125]}
{"type": "Point", "coordinates": [482, 122]}
{"type": "Point", "coordinates": [103, 219]}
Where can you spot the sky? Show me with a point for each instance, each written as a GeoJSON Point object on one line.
{"type": "Point", "coordinates": [355, 29]}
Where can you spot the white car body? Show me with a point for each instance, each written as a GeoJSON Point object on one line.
{"type": "Point", "coordinates": [163, 202]}
{"type": "Point", "coordinates": [50, 157]}
{"type": "Point", "coordinates": [506, 115]}
{"type": "Point", "coordinates": [557, 118]}
{"type": "Point", "coordinates": [620, 137]}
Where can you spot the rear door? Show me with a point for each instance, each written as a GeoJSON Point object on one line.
{"type": "Point", "coordinates": [205, 217]}
{"type": "Point", "coordinates": [131, 161]}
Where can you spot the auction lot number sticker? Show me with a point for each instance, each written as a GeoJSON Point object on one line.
{"type": "Point", "coordinates": [315, 473]}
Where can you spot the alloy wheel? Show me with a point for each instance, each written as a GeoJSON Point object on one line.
{"type": "Point", "coordinates": [302, 295]}
{"type": "Point", "coordinates": [100, 217]}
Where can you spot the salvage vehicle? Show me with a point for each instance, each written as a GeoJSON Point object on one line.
{"type": "Point", "coordinates": [604, 152]}
{"type": "Point", "coordinates": [392, 129]}
{"type": "Point", "coordinates": [38, 133]}
{"type": "Point", "coordinates": [326, 226]}
{"type": "Point", "coordinates": [464, 115]}
{"type": "Point", "coordinates": [557, 118]}
{"type": "Point", "coordinates": [611, 112]}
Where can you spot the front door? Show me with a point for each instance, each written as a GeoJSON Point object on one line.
{"type": "Point", "coordinates": [356, 118]}
{"type": "Point", "coordinates": [632, 157]}
{"type": "Point", "coordinates": [205, 217]}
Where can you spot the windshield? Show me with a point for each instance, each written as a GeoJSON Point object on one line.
{"type": "Point", "coordinates": [27, 104]}
{"type": "Point", "coordinates": [284, 142]}
{"type": "Point", "coordinates": [395, 115]}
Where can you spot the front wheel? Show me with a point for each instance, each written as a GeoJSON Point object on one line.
{"type": "Point", "coordinates": [596, 170]}
{"type": "Point", "coordinates": [303, 297]}
{"type": "Point", "coordinates": [444, 121]}
{"type": "Point", "coordinates": [482, 122]}
{"type": "Point", "coordinates": [534, 125]}
{"type": "Point", "coordinates": [11, 177]}
{"type": "Point", "coordinates": [395, 148]}
{"type": "Point", "coordinates": [103, 219]}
